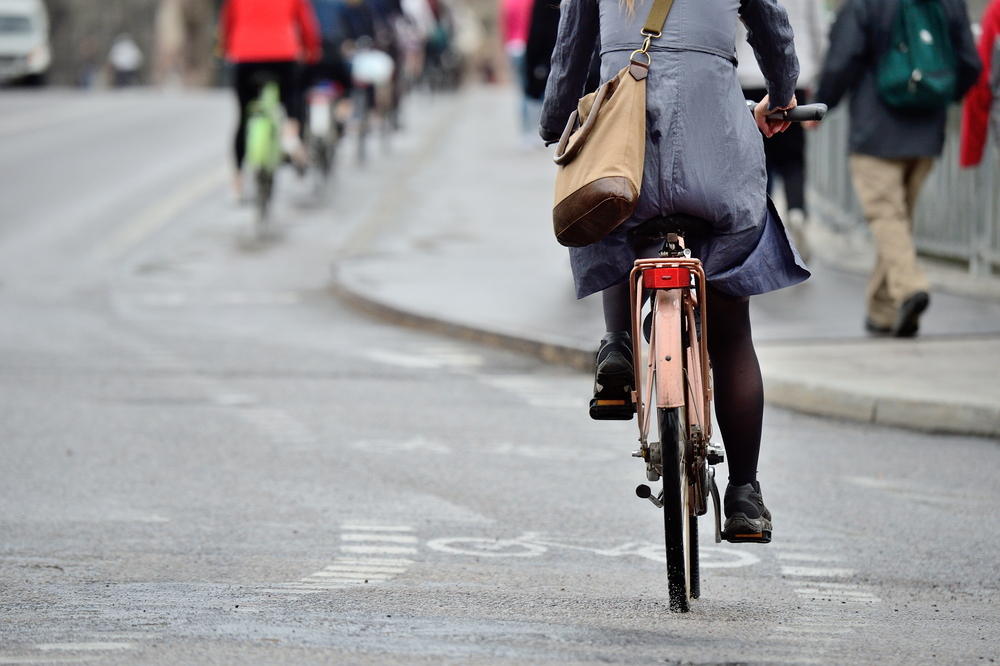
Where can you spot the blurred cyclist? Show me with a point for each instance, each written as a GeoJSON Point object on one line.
{"type": "Point", "coordinates": [266, 40]}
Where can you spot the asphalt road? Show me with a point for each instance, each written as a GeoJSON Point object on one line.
{"type": "Point", "coordinates": [205, 458]}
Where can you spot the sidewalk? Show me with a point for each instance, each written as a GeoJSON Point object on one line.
{"type": "Point", "coordinates": [465, 247]}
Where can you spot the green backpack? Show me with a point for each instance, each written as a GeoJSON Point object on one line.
{"type": "Point", "coordinates": [917, 73]}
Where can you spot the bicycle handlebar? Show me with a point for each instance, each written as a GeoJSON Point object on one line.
{"type": "Point", "coordinates": [801, 113]}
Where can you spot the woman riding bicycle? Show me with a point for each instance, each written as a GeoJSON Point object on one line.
{"type": "Point", "coordinates": [704, 159]}
{"type": "Point", "coordinates": [266, 40]}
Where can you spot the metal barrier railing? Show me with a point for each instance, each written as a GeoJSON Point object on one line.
{"type": "Point", "coordinates": [956, 214]}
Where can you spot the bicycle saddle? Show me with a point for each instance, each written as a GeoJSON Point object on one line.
{"type": "Point", "coordinates": [656, 228]}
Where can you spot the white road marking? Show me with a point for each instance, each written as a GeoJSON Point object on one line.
{"type": "Point", "coordinates": [486, 547]}
{"type": "Point", "coordinates": [337, 569]}
{"type": "Point", "coordinates": [913, 492]}
{"type": "Point", "coordinates": [357, 571]}
{"type": "Point", "coordinates": [817, 572]}
{"type": "Point", "coordinates": [532, 544]}
{"type": "Point", "coordinates": [384, 538]}
{"type": "Point", "coordinates": [402, 360]}
{"type": "Point", "coordinates": [352, 575]}
{"type": "Point", "coordinates": [45, 647]}
{"type": "Point", "coordinates": [454, 357]}
{"type": "Point", "coordinates": [818, 590]}
{"type": "Point", "coordinates": [164, 211]}
{"type": "Point", "coordinates": [47, 659]}
{"type": "Point", "coordinates": [378, 550]}
{"type": "Point", "coordinates": [833, 594]}
{"type": "Point", "coordinates": [565, 453]}
{"type": "Point", "coordinates": [433, 358]}
{"type": "Point", "coordinates": [809, 557]}
{"type": "Point", "coordinates": [813, 630]}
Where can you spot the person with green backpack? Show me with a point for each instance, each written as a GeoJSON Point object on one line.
{"type": "Point", "coordinates": [903, 62]}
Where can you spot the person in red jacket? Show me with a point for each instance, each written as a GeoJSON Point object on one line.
{"type": "Point", "coordinates": [267, 39]}
{"type": "Point", "coordinates": [976, 112]}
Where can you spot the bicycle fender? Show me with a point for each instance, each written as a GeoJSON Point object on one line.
{"type": "Point", "coordinates": [668, 346]}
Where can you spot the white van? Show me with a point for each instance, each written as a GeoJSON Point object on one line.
{"type": "Point", "coordinates": [24, 40]}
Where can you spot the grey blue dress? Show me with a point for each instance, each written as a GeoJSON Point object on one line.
{"type": "Point", "coordinates": [704, 153]}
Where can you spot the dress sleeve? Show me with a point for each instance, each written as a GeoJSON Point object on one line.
{"type": "Point", "coordinates": [579, 24]}
{"type": "Point", "coordinates": [969, 60]}
{"type": "Point", "coordinates": [770, 35]}
{"type": "Point", "coordinates": [845, 61]}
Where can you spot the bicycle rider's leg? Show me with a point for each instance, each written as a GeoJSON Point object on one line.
{"type": "Point", "coordinates": [289, 81]}
{"type": "Point", "coordinates": [246, 89]}
{"type": "Point", "coordinates": [739, 390]}
{"type": "Point", "coordinates": [614, 369]}
{"type": "Point", "coordinates": [739, 410]}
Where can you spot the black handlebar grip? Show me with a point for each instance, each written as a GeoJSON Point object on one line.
{"type": "Point", "coordinates": [801, 113]}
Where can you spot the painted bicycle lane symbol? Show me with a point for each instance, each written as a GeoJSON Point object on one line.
{"type": "Point", "coordinates": [533, 544]}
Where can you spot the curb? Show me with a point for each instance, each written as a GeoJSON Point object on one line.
{"type": "Point", "coordinates": [801, 396]}
{"type": "Point", "coordinates": [579, 359]}
{"type": "Point", "coordinates": [921, 415]}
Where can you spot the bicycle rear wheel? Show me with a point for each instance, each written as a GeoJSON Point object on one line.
{"type": "Point", "coordinates": [677, 517]}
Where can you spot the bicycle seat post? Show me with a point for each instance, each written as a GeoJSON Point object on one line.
{"type": "Point", "coordinates": [673, 246]}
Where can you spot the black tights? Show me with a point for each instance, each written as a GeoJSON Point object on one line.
{"type": "Point", "coordinates": [739, 390]}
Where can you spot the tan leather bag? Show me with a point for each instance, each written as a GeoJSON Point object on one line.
{"type": "Point", "coordinates": [601, 151]}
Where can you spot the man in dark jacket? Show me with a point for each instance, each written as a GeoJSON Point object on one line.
{"type": "Point", "coordinates": [892, 151]}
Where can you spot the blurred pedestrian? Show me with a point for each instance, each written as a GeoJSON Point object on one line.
{"type": "Point", "coordinates": [515, 20]}
{"type": "Point", "coordinates": [979, 109]}
{"type": "Point", "coordinates": [333, 65]}
{"type": "Point", "coordinates": [704, 162]}
{"type": "Point", "coordinates": [125, 59]}
{"type": "Point", "coordinates": [266, 39]}
{"type": "Point", "coordinates": [893, 148]}
{"type": "Point", "coordinates": [542, 35]}
{"type": "Point", "coordinates": [785, 152]}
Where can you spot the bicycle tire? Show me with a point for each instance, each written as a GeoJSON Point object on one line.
{"type": "Point", "coordinates": [676, 511]}
{"type": "Point", "coordinates": [363, 111]}
{"type": "Point", "coordinates": [694, 559]}
{"type": "Point", "coordinates": [265, 185]}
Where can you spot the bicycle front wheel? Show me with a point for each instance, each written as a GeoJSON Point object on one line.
{"type": "Point", "coordinates": [676, 510]}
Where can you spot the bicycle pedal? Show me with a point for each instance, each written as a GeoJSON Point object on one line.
{"type": "Point", "coordinates": [611, 410]}
{"type": "Point", "coordinates": [764, 536]}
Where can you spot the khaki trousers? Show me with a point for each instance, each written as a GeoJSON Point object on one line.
{"type": "Point", "coordinates": [888, 189]}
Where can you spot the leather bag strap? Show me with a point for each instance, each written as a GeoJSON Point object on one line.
{"type": "Point", "coordinates": [657, 17]}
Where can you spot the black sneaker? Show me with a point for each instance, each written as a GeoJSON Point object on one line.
{"type": "Point", "coordinates": [908, 318]}
{"type": "Point", "coordinates": [614, 379]}
{"type": "Point", "coordinates": [747, 519]}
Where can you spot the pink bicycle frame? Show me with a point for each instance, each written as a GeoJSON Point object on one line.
{"type": "Point", "coordinates": [667, 369]}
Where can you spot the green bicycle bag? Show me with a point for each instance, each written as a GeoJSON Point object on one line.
{"type": "Point", "coordinates": [917, 73]}
{"type": "Point", "coordinates": [263, 150]}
